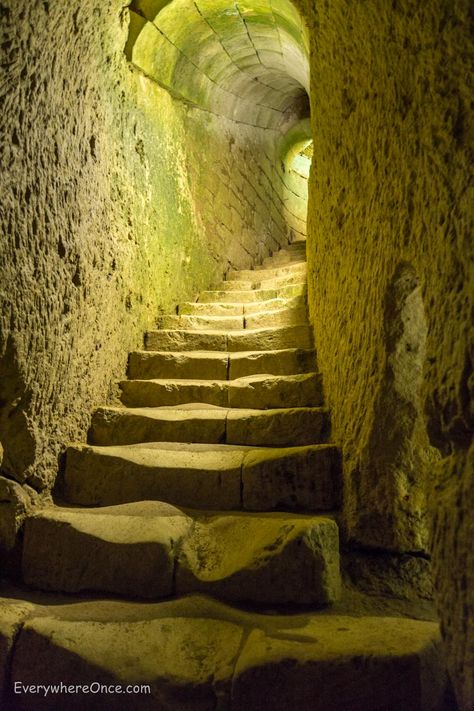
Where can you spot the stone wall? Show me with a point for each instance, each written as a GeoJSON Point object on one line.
{"type": "Point", "coordinates": [116, 204]}
{"type": "Point", "coordinates": [390, 250]}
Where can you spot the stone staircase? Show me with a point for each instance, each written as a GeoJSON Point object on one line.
{"type": "Point", "coordinates": [215, 483]}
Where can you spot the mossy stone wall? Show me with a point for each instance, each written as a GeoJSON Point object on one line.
{"type": "Point", "coordinates": [118, 201]}
{"type": "Point", "coordinates": [390, 251]}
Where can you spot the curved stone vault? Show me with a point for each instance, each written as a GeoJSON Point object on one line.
{"type": "Point", "coordinates": [247, 61]}
{"type": "Point", "coordinates": [158, 150]}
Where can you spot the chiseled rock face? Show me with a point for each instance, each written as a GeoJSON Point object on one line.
{"type": "Point", "coordinates": [120, 205]}
{"type": "Point", "coordinates": [16, 502]}
{"type": "Point", "coordinates": [393, 168]}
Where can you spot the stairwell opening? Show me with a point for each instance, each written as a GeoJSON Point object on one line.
{"type": "Point", "coordinates": [240, 72]}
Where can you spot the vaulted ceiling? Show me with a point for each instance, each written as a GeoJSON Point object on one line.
{"type": "Point", "coordinates": [245, 60]}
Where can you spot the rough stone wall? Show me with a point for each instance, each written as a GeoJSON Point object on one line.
{"type": "Point", "coordinates": [105, 222]}
{"type": "Point", "coordinates": [390, 251]}
{"type": "Point", "coordinates": [237, 194]}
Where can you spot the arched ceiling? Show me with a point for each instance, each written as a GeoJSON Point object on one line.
{"type": "Point", "coordinates": [245, 60]}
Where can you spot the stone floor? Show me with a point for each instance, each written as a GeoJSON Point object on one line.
{"type": "Point", "coordinates": [208, 500]}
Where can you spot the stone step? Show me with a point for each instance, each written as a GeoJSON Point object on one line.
{"type": "Point", "coordinates": [221, 366]}
{"type": "Point", "coordinates": [287, 361]}
{"type": "Point", "coordinates": [260, 319]}
{"type": "Point", "coordinates": [289, 252]}
{"type": "Point", "coordinates": [214, 477]}
{"type": "Point", "coordinates": [298, 246]}
{"type": "Point", "coordinates": [298, 267]}
{"type": "Point", "coordinates": [277, 317]}
{"type": "Point", "coordinates": [199, 308]}
{"type": "Point", "coordinates": [261, 339]}
{"type": "Point", "coordinates": [196, 653]}
{"type": "Point", "coordinates": [295, 302]}
{"type": "Point", "coordinates": [150, 550]}
{"type": "Point", "coordinates": [201, 322]}
{"type": "Point", "coordinates": [210, 424]}
{"type": "Point", "coordinates": [282, 260]}
{"type": "Point", "coordinates": [250, 295]}
{"type": "Point", "coordinates": [263, 283]}
{"type": "Point", "coordinates": [252, 391]}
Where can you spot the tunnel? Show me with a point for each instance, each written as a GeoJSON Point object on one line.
{"type": "Point", "coordinates": [236, 355]}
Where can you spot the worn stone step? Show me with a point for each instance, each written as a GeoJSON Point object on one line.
{"type": "Point", "coordinates": [210, 424]}
{"type": "Point", "coordinates": [202, 322]}
{"type": "Point", "coordinates": [298, 247]}
{"type": "Point", "coordinates": [277, 317]}
{"type": "Point", "coordinates": [342, 663]}
{"type": "Point", "coordinates": [197, 653]}
{"type": "Point", "coordinates": [220, 477]}
{"type": "Point", "coordinates": [199, 308]}
{"type": "Point", "coordinates": [261, 339]}
{"type": "Point", "coordinates": [282, 260]}
{"type": "Point", "coordinates": [295, 302]}
{"type": "Point", "coordinates": [253, 391]}
{"type": "Point", "coordinates": [221, 366]}
{"type": "Point", "coordinates": [263, 283]}
{"type": "Point", "coordinates": [264, 558]}
{"type": "Point", "coordinates": [289, 252]}
{"type": "Point", "coordinates": [151, 550]}
{"type": "Point", "coordinates": [268, 273]}
{"type": "Point", "coordinates": [178, 364]}
{"type": "Point", "coordinates": [250, 295]}
{"type": "Point", "coordinates": [258, 319]}
{"type": "Point", "coordinates": [285, 361]}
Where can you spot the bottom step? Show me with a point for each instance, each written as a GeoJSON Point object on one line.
{"type": "Point", "coordinates": [195, 654]}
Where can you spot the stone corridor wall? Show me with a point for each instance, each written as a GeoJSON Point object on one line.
{"type": "Point", "coordinates": [116, 203]}
{"type": "Point", "coordinates": [390, 251]}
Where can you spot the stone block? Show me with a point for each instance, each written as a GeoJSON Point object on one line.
{"type": "Point", "coordinates": [146, 365]}
{"type": "Point", "coordinates": [277, 362]}
{"type": "Point", "coordinates": [127, 549]}
{"type": "Point", "coordinates": [304, 478]}
{"type": "Point", "coordinates": [186, 661]}
{"type": "Point", "coordinates": [166, 424]}
{"type": "Point", "coordinates": [182, 340]}
{"type": "Point", "coordinates": [269, 339]}
{"type": "Point", "coordinates": [278, 428]}
{"type": "Point", "coordinates": [277, 558]}
{"type": "Point", "coordinates": [184, 475]}
{"type": "Point", "coordinates": [339, 663]}
{"type": "Point", "coordinates": [278, 317]}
